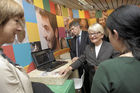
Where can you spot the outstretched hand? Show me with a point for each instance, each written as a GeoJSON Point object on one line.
{"type": "Point", "coordinates": [74, 59]}
{"type": "Point", "coordinates": [65, 71]}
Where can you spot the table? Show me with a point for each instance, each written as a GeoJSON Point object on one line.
{"type": "Point", "coordinates": [67, 87]}
{"type": "Point", "coordinates": [58, 84]}
{"type": "Point", "coordinates": [50, 78]}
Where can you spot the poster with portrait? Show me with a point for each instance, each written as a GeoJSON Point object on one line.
{"type": "Point", "coordinates": [48, 29]}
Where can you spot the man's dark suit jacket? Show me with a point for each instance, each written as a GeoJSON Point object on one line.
{"type": "Point", "coordinates": [84, 41]}
{"type": "Point", "coordinates": [89, 56]}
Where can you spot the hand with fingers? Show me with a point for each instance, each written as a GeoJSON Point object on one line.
{"type": "Point", "coordinates": [65, 71]}
{"type": "Point", "coordinates": [74, 59]}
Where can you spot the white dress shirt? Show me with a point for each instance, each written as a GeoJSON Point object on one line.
{"type": "Point", "coordinates": [97, 49]}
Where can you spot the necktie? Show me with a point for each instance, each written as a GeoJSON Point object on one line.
{"type": "Point", "coordinates": [77, 45]}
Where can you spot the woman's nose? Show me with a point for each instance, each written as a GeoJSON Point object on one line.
{"type": "Point", "coordinates": [19, 28]}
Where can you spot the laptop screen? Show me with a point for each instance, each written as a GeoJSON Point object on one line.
{"type": "Point", "coordinates": [43, 57]}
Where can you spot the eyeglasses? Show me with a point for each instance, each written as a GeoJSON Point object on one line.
{"type": "Point", "coordinates": [95, 34]}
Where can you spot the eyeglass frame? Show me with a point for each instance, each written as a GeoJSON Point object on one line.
{"type": "Point", "coordinates": [95, 34]}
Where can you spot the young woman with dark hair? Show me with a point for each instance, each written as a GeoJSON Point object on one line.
{"type": "Point", "coordinates": [121, 74]}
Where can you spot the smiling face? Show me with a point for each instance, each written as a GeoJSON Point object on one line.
{"type": "Point", "coordinates": [9, 30]}
{"type": "Point", "coordinates": [96, 33]}
{"type": "Point", "coordinates": [95, 37]}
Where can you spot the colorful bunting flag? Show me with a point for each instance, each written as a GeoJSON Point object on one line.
{"type": "Point", "coordinates": [46, 5]}
{"type": "Point", "coordinates": [62, 32]}
{"type": "Point", "coordinates": [98, 14]}
{"type": "Point", "coordinates": [64, 11]}
{"type": "Point", "coordinates": [60, 21]}
{"type": "Point", "coordinates": [110, 11]}
{"type": "Point", "coordinates": [75, 13]}
{"type": "Point", "coordinates": [52, 7]}
{"type": "Point", "coordinates": [39, 3]}
{"type": "Point", "coordinates": [91, 21]}
{"type": "Point", "coordinates": [87, 14]}
{"type": "Point", "coordinates": [81, 14]}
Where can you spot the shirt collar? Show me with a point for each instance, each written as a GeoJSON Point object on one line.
{"type": "Point", "coordinates": [80, 33]}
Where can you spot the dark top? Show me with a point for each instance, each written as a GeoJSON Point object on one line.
{"type": "Point", "coordinates": [118, 75]}
{"type": "Point", "coordinates": [84, 41]}
{"type": "Point", "coordinates": [89, 60]}
{"type": "Point", "coordinates": [89, 56]}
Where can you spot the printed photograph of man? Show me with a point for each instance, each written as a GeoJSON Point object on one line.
{"type": "Point", "coordinates": [48, 30]}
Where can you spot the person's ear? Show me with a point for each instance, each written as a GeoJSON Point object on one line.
{"type": "Point", "coordinates": [102, 36]}
{"type": "Point", "coordinates": [116, 35]}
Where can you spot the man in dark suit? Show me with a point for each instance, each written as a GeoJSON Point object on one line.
{"type": "Point", "coordinates": [78, 42]}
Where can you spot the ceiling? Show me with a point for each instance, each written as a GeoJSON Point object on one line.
{"type": "Point", "coordinates": [95, 4]}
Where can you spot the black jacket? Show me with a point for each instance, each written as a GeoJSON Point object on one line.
{"type": "Point", "coordinates": [84, 41]}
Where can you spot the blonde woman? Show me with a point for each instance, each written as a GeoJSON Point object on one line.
{"type": "Point", "coordinates": [13, 77]}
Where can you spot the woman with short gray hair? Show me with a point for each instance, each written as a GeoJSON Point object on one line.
{"type": "Point", "coordinates": [97, 51]}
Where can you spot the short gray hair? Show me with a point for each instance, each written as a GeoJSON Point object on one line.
{"type": "Point", "coordinates": [96, 28]}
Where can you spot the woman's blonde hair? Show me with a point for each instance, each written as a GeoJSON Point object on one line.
{"type": "Point", "coordinates": [96, 28]}
{"type": "Point", "coordinates": [10, 9]}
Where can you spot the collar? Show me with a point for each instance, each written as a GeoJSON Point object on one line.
{"type": "Point", "coordinates": [80, 33]}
